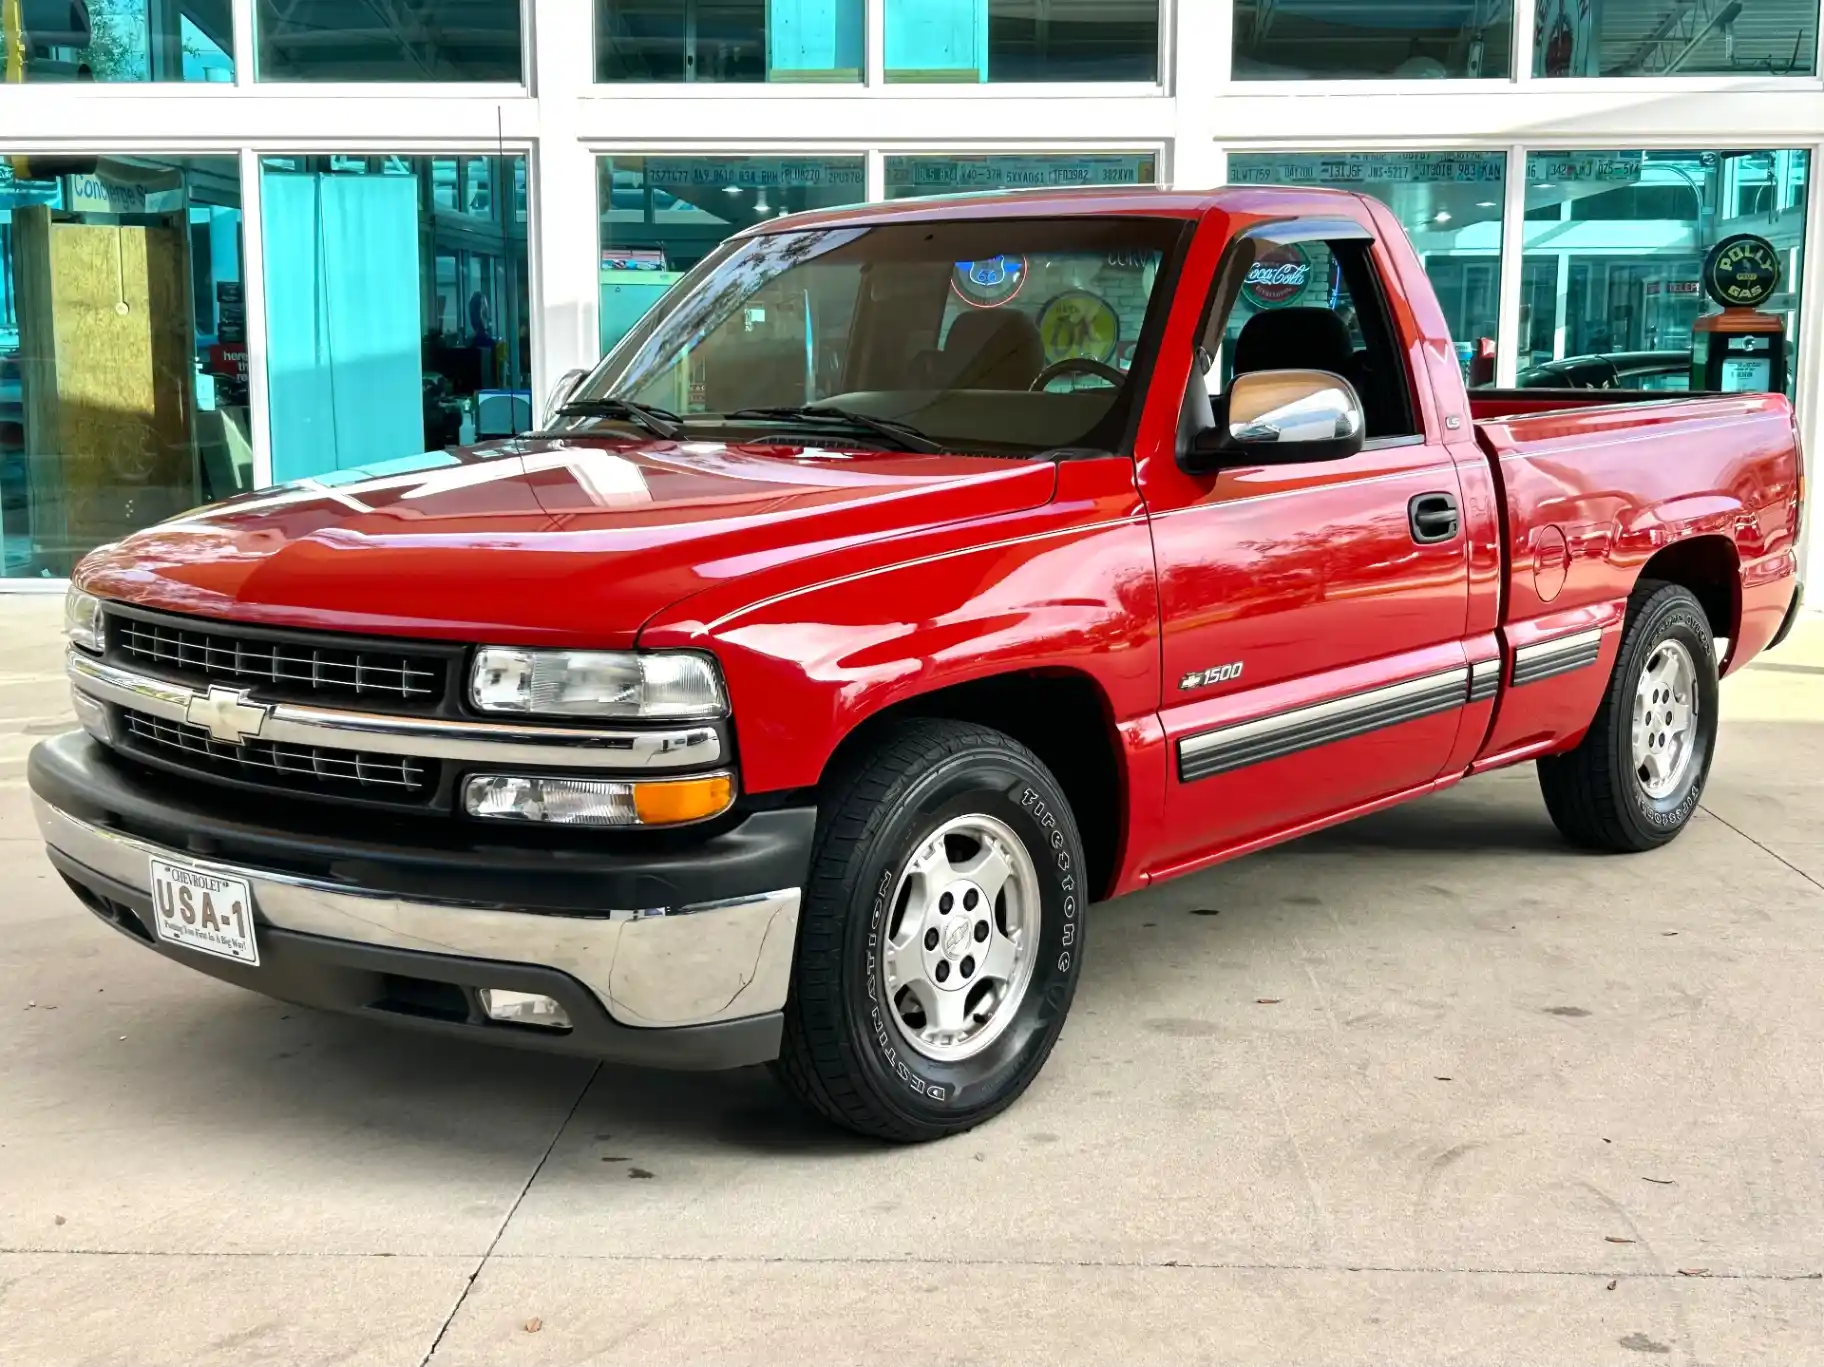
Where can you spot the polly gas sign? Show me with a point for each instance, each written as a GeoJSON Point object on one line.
{"type": "Point", "coordinates": [1742, 272]}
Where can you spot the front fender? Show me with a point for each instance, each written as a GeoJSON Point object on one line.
{"type": "Point", "coordinates": [1068, 586]}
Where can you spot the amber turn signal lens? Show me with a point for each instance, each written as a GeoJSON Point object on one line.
{"type": "Point", "coordinates": [598, 802]}
{"type": "Point", "coordinates": [682, 799]}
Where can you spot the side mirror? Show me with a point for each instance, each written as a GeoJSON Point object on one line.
{"type": "Point", "coordinates": [1279, 417]}
{"type": "Point", "coordinates": [560, 395]}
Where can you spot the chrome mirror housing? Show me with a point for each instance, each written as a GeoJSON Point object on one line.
{"type": "Point", "coordinates": [1304, 408]}
{"type": "Point", "coordinates": [1278, 417]}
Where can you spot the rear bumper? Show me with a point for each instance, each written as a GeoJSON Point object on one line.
{"type": "Point", "coordinates": [412, 933]}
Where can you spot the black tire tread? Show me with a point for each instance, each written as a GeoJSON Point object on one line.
{"type": "Point", "coordinates": [1583, 787]}
{"type": "Point", "coordinates": [816, 1064]}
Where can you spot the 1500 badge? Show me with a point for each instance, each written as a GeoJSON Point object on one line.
{"type": "Point", "coordinates": [1203, 678]}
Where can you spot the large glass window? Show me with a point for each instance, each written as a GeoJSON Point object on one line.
{"type": "Point", "coordinates": [729, 40]}
{"type": "Point", "coordinates": [946, 175]}
{"type": "Point", "coordinates": [1009, 336]}
{"type": "Point", "coordinates": [662, 215]}
{"type": "Point", "coordinates": [1448, 202]}
{"type": "Point", "coordinates": [1615, 245]}
{"type": "Point", "coordinates": [115, 40]}
{"type": "Point", "coordinates": [395, 324]}
{"type": "Point", "coordinates": [1023, 40]}
{"type": "Point", "coordinates": [1279, 40]}
{"type": "Point", "coordinates": [1691, 38]}
{"type": "Point", "coordinates": [362, 40]}
{"type": "Point", "coordinates": [123, 350]}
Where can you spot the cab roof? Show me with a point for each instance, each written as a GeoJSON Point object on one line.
{"type": "Point", "coordinates": [1159, 201]}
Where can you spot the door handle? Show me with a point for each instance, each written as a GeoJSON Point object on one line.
{"type": "Point", "coordinates": [1433, 517]}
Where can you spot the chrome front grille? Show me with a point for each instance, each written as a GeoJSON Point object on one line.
{"type": "Point", "coordinates": [294, 768]}
{"type": "Point", "coordinates": [288, 665]}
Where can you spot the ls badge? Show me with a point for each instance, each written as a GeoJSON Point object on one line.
{"type": "Point", "coordinates": [1203, 678]}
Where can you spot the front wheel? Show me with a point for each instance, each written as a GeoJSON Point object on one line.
{"type": "Point", "coordinates": [1634, 780]}
{"type": "Point", "coordinates": [941, 935]}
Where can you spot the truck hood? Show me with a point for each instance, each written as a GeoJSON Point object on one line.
{"type": "Point", "coordinates": [540, 541]}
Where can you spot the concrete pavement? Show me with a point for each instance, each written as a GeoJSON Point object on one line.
{"type": "Point", "coordinates": [1503, 1102]}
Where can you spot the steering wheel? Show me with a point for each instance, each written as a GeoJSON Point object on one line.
{"type": "Point", "coordinates": [1078, 365]}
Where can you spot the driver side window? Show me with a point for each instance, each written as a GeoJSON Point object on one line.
{"type": "Point", "coordinates": [1316, 305]}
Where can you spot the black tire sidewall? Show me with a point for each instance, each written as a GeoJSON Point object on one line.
{"type": "Point", "coordinates": [1677, 617]}
{"type": "Point", "coordinates": [926, 1091]}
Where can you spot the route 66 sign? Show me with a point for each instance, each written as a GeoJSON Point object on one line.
{"type": "Point", "coordinates": [990, 282]}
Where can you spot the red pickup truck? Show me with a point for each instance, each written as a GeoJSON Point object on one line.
{"type": "Point", "coordinates": [910, 578]}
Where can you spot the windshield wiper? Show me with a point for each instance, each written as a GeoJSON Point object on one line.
{"type": "Point", "coordinates": [661, 422]}
{"type": "Point", "coordinates": [902, 434]}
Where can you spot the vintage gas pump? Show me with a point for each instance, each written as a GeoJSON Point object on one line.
{"type": "Point", "coordinates": [1741, 348]}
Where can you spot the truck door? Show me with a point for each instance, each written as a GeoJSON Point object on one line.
{"type": "Point", "coordinates": [1312, 614]}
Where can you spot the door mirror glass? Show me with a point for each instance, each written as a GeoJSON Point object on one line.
{"type": "Point", "coordinates": [1281, 417]}
{"type": "Point", "coordinates": [560, 394]}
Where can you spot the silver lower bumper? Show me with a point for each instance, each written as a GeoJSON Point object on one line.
{"type": "Point", "coordinates": [670, 966]}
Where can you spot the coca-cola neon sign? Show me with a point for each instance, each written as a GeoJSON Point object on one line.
{"type": "Point", "coordinates": [1277, 277]}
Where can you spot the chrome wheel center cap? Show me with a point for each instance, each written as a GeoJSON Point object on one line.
{"type": "Point", "coordinates": [956, 938]}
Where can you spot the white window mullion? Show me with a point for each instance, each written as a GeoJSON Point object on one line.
{"type": "Point", "coordinates": [875, 175]}
{"type": "Point", "coordinates": [240, 17]}
{"type": "Point", "coordinates": [874, 38]}
{"type": "Point", "coordinates": [1810, 340]}
{"type": "Point", "coordinates": [1521, 43]}
{"type": "Point", "coordinates": [253, 303]}
{"type": "Point", "coordinates": [562, 232]}
{"type": "Point", "coordinates": [1513, 258]}
{"type": "Point", "coordinates": [1201, 49]}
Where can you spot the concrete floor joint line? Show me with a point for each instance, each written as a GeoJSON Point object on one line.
{"type": "Point", "coordinates": [1764, 849]}
{"type": "Point", "coordinates": [512, 1210]}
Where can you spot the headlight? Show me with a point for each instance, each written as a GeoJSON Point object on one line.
{"type": "Point", "coordinates": [596, 802]}
{"type": "Point", "coordinates": [82, 620]}
{"type": "Point", "coordinates": [664, 685]}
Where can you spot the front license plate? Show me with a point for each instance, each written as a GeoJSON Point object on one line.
{"type": "Point", "coordinates": [202, 910]}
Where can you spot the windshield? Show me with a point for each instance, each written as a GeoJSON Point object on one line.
{"type": "Point", "coordinates": [1005, 336]}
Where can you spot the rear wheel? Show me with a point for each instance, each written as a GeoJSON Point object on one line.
{"type": "Point", "coordinates": [1635, 779]}
{"type": "Point", "coordinates": [941, 934]}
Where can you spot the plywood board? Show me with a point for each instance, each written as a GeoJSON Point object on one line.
{"type": "Point", "coordinates": [107, 365]}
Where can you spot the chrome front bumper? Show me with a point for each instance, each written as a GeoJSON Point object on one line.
{"type": "Point", "coordinates": [654, 967]}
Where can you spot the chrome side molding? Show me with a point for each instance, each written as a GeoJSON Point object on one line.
{"type": "Point", "coordinates": [1305, 728]}
{"type": "Point", "coordinates": [1484, 679]}
{"type": "Point", "coordinates": [1560, 655]}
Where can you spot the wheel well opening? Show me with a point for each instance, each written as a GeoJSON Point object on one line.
{"type": "Point", "coordinates": [1707, 566]}
{"type": "Point", "coordinates": [1062, 718]}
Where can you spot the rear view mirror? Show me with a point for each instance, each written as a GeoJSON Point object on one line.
{"type": "Point", "coordinates": [1280, 417]}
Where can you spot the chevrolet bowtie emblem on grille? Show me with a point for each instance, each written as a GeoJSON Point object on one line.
{"type": "Point", "coordinates": [226, 714]}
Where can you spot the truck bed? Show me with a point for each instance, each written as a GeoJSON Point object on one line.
{"type": "Point", "coordinates": [1485, 405]}
{"type": "Point", "coordinates": [1596, 483]}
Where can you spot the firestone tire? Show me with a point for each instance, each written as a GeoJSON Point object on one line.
{"type": "Point", "coordinates": [848, 1050]}
{"type": "Point", "coordinates": [1599, 794]}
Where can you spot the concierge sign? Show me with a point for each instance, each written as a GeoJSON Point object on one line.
{"type": "Point", "coordinates": [1741, 349]}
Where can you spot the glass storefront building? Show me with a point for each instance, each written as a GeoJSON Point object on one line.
{"type": "Point", "coordinates": [254, 240]}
